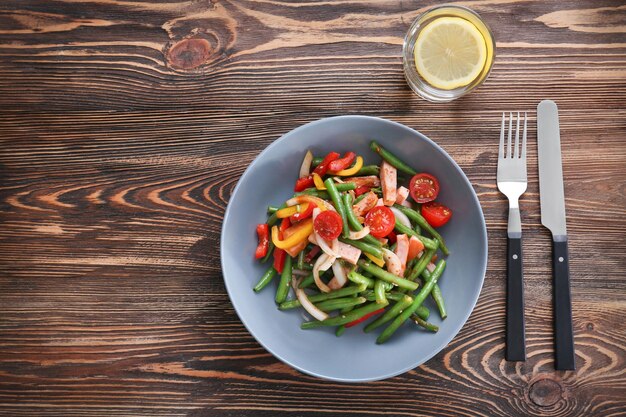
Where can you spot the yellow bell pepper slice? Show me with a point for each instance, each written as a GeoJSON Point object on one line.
{"type": "Point", "coordinates": [319, 183]}
{"type": "Point", "coordinates": [352, 170]}
{"type": "Point", "coordinates": [290, 211]}
{"type": "Point", "coordinates": [374, 259]}
{"type": "Point", "coordinates": [305, 228]}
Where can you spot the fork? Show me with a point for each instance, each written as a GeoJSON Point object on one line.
{"type": "Point", "coordinates": [512, 183]}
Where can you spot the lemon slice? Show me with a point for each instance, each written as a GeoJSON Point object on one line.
{"type": "Point", "coordinates": [450, 52]}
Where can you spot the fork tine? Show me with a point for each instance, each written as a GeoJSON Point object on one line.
{"type": "Point", "coordinates": [515, 151]}
{"type": "Point", "coordinates": [509, 152]}
{"type": "Point", "coordinates": [524, 136]}
{"type": "Point", "coordinates": [501, 148]}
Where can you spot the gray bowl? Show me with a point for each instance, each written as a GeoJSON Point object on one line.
{"type": "Point", "coordinates": [355, 356]}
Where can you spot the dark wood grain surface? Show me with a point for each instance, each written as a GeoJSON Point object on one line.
{"type": "Point", "coordinates": [125, 125]}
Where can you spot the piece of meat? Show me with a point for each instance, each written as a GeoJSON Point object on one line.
{"type": "Point", "coordinates": [389, 183]}
{"type": "Point", "coordinates": [369, 181]}
{"type": "Point", "coordinates": [415, 248]}
{"type": "Point", "coordinates": [402, 250]}
{"type": "Point", "coordinates": [348, 252]}
{"type": "Point", "coordinates": [365, 205]}
{"type": "Point", "coordinates": [402, 194]}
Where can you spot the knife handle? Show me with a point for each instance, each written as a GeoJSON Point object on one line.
{"type": "Point", "coordinates": [563, 331]}
{"type": "Point", "coordinates": [515, 341]}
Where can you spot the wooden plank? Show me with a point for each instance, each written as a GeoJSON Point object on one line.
{"type": "Point", "coordinates": [120, 147]}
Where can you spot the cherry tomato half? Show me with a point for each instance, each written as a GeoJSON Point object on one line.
{"type": "Point", "coordinates": [424, 187]}
{"type": "Point", "coordinates": [328, 225]}
{"type": "Point", "coordinates": [436, 214]}
{"type": "Point", "coordinates": [381, 221]}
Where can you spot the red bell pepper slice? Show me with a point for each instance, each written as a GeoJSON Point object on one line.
{"type": "Point", "coordinates": [263, 230]}
{"type": "Point", "coordinates": [361, 190]}
{"type": "Point", "coordinates": [365, 317]}
{"type": "Point", "coordinates": [280, 254]}
{"type": "Point", "coordinates": [392, 237]}
{"type": "Point", "coordinates": [322, 168]}
{"type": "Point", "coordinates": [304, 183]}
{"type": "Point", "coordinates": [312, 253]}
{"type": "Point", "coordinates": [308, 212]}
{"type": "Point", "coordinates": [342, 163]}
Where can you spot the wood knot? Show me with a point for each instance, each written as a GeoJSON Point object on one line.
{"type": "Point", "coordinates": [189, 53]}
{"type": "Point", "coordinates": [545, 392]}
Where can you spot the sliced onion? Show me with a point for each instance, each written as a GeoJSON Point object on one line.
{"type": "Point", "coordinates": [402, 218]}
{"type": "Point", "coordinates": [322, 264]}
{"type": "Point", "coordinates": [361, 234]}
{"type": "Point", "coordinates": [309, 306]}
{"type": "Point", "coordinates": [305, 168]}
{"type": "Point", "coordinates": [330, 251]}
{"type": "Point", "coordinates": [431, 267]}
{"type": "Point", "coordinates": [340, 276]}
{"type": "Point", "coordinates": [300, 272]}
{"type": "Point", "coordinates": [338, 180]}
{"type": "Point", "coordinates": [305, 198]}
{"type": "Point", "coordinates": [393, 262]}
{"type": "Point", "coordinates": [406, 203]}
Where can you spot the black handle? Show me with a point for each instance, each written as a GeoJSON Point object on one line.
{"type": "Point", "coordinates": [563, 332]}
{"type": "Point", "coordinates": [515, 343]}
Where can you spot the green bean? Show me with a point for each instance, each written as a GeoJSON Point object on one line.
{"type": "Point", "coordinates": [340, 303]}
{"type": "Point", "coordinates": [378, 191]}
{"type": "Point", "coordinates": [421, 221]}
{"type": "Point", "coordinates": [423, 323]}
{"type": "Point", "coordinates": [387, 276]}
{"type": "Point", "coordinates": [355, 224]}
{"type": "Point", "coordinates": [390, 314]}
{"type": "Point", "coordinates": [392, 159]}
{"type": "Point", "coordinates": [428, 243]}
{"type": "Point", "coordinates": [343, 292]}
{"type": "Point", "coordinates": [336, 198]}
{"type": "Point", "coordinates": [307, 281]}
{"type": "Point", "coordinates": [270, 249]}
{"type": "Point", "coordinates": [368, 170]}
{"type": "Point", "coordinates": [409, 267]}
{"type": "Point", "coordinates": [272, 209]}
{"type": "Point", "coordinates": [418, 230]}
{"type": "Point", "coordinates": [437, 295]}
{"type": "Point", "coordinates": [355, 314]}
{"type": "Point", "coordinates": [273, 218]}
{"type": "Point", "coordinates": [421, 264]}
{"type": "Point", "coordinates": [340, 330]}
{"type": "Point", "coordinates": [421, 311]}
{"type": "Point", "coordinates": [265, 279]}
{"type": "Point", "coordinates": [417, 301]}
{"type": "Point", "coordinates": [314, 192]}
{"type": "Point", "coordinates": [365, 247]}
{"type": "Point", "coordinates": [361, 279]}
{"type": "Point", "coordinates": [285, 280]}
{"type": "Point", "coordinates": [300, 263]}
{"type": "Point", "coordinates": [379, 291]}
{"type": "Point", "coordinates": [316, 161]}
{"type": "Point", "coordinates": [359, 198]}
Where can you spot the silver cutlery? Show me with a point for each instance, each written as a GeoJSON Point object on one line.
{"type": "Point", "coordinates": [553, 217]}
{"type": "Point", "coordinates": [512, 183]}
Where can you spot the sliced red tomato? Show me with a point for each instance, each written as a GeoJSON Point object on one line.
{"type": "Point", "coordinates": [304, 183]}
{"type": "Point", "coordinates": [328, 225]}
{"type": "Point", "coordinates": [305, 213]}
{"type": "Point", "coordinates": [436, 214]}
{"type": "Point", "coordinates": [263, 231]}
{"type": "Point", "coordinates": [365, 317]}
{"type": "Point", "coordinates": [381, 221]}
{"type": "Point", "coordinates": [342, 163]}
{"type": "Point", "coordinates": [393, 238]}
{"type": "Point", "coordinates": [424, 187]}
{"type": "Point", "coordinates": [322, 168]}
{"type": "Point", "coordinates": [361, 190]}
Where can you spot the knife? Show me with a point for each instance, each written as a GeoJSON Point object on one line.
{"type": "Point", "coordinates": [553, 217]}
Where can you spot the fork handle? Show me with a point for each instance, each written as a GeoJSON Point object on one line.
{"type": "Point", "coordinates": [515, 339]}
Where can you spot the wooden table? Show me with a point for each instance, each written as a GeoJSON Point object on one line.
{"type": "Point", "coordinates": [125, 126]}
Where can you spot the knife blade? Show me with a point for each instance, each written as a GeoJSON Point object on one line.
{"type": "Point", "coordinates": [552, 199]}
